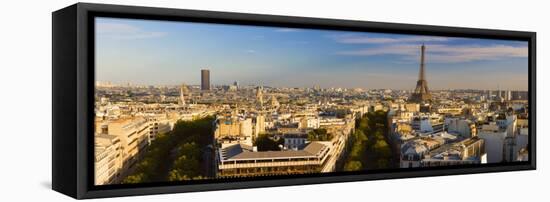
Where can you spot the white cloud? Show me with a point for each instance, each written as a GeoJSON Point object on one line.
{"type": "Point", "coordinates": [445, 53]}
{"type": "Point", "coordinates": [357, 39]}
{"type": "Point", "coordinates": [287, 30]}
{"type": "Point", "coordinates": [125, 31]}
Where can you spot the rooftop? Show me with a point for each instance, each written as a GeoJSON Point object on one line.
{"type": "Point", "coordinates": [242, 152]}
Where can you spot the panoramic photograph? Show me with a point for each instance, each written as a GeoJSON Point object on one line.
{"type": "Point", "coordinates": [182, 101]}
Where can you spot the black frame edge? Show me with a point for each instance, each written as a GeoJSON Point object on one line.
{"type": "Point", "coordinates": [300, 181]}
{"type": "Point", "coordinates": [84, 96]}
{"type": "Point", "coordinates": [224, 17]}
{"type": "Point", "coordinates": [533, 100]}
{"type": "Point", "coordinates": [64, 155]}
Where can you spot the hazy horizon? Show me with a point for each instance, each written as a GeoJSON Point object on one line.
{"type": "Point", "coordinates": [149, 52]}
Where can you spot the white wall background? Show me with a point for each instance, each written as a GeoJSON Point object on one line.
{"type": "Point", "coordinates": [25, 90]}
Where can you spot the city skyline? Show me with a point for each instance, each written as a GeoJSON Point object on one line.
{"type": "Point", "coordinates": [154, 53]}
{"type": "Point", "coordinates": [239, 119]}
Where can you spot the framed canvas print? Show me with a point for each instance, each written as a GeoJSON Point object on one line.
{"type": "Point", "coordinates": [156, 100]}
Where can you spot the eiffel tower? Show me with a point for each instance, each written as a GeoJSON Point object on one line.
{"type": "Point", "coordinates": [421, 93]}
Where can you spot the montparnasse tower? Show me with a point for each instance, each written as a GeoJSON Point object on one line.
{"type": "Point", "coordinates": [421, 92]}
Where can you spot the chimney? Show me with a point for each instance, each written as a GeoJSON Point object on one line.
{"type": "Point", "coordinates": [104, 129]}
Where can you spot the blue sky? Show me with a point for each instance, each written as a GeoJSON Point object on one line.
{"type": "Point", "coordinates": [170, 53]}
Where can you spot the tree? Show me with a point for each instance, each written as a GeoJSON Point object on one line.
{"type": "Point", "coordinates": [382, 163]}
{"type": "Point", "coordinates": [265, 143]}
{"type": "Point", "coordinates": [360, 136]}
{"type": "Point", "coordinates": [382, 149]}
{"type": "Point", "coordinates": [319, 134]}
{"type": "Point", "coordinates": [190, 150]}
{"type": "Point", "coordinates": [379, 133]}
{"type": "Point", "coordinates": [369, 145]}
{"type": "Point", "coordinates": [356, 151]}
{"type": "Point", "coordinates": [187, 164]}
{"type": "Point", "coordinates": [158, 163]}
{"type": "Point", "coordinates": [176, 175]}
{"type": "Point", "coordinates": [353, 166]}
{"type": "Point", "coordinates": [132, 179]}
{"type": "Point", "coordinates": [147, 165]}
{"type": "Point", "coordinates": [364, 123]}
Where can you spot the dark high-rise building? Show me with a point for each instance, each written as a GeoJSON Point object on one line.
{"type": "Point", "coordinates": [205, 79]}
{"type": "Point", "coordinates": [421, 93]}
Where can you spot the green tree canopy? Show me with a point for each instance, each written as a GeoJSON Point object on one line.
{"type": "Point", "coordinates": [353, 166]}
{"type": "Point", "coordinates": [175, 155]}
{"type": "Point", "coordinates": [265, 143]}
{"type": "Point", "coordinates": [319, 134]}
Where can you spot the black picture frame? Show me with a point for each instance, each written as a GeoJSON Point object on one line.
{"type": "Point", "coordinates": [73, 88]}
